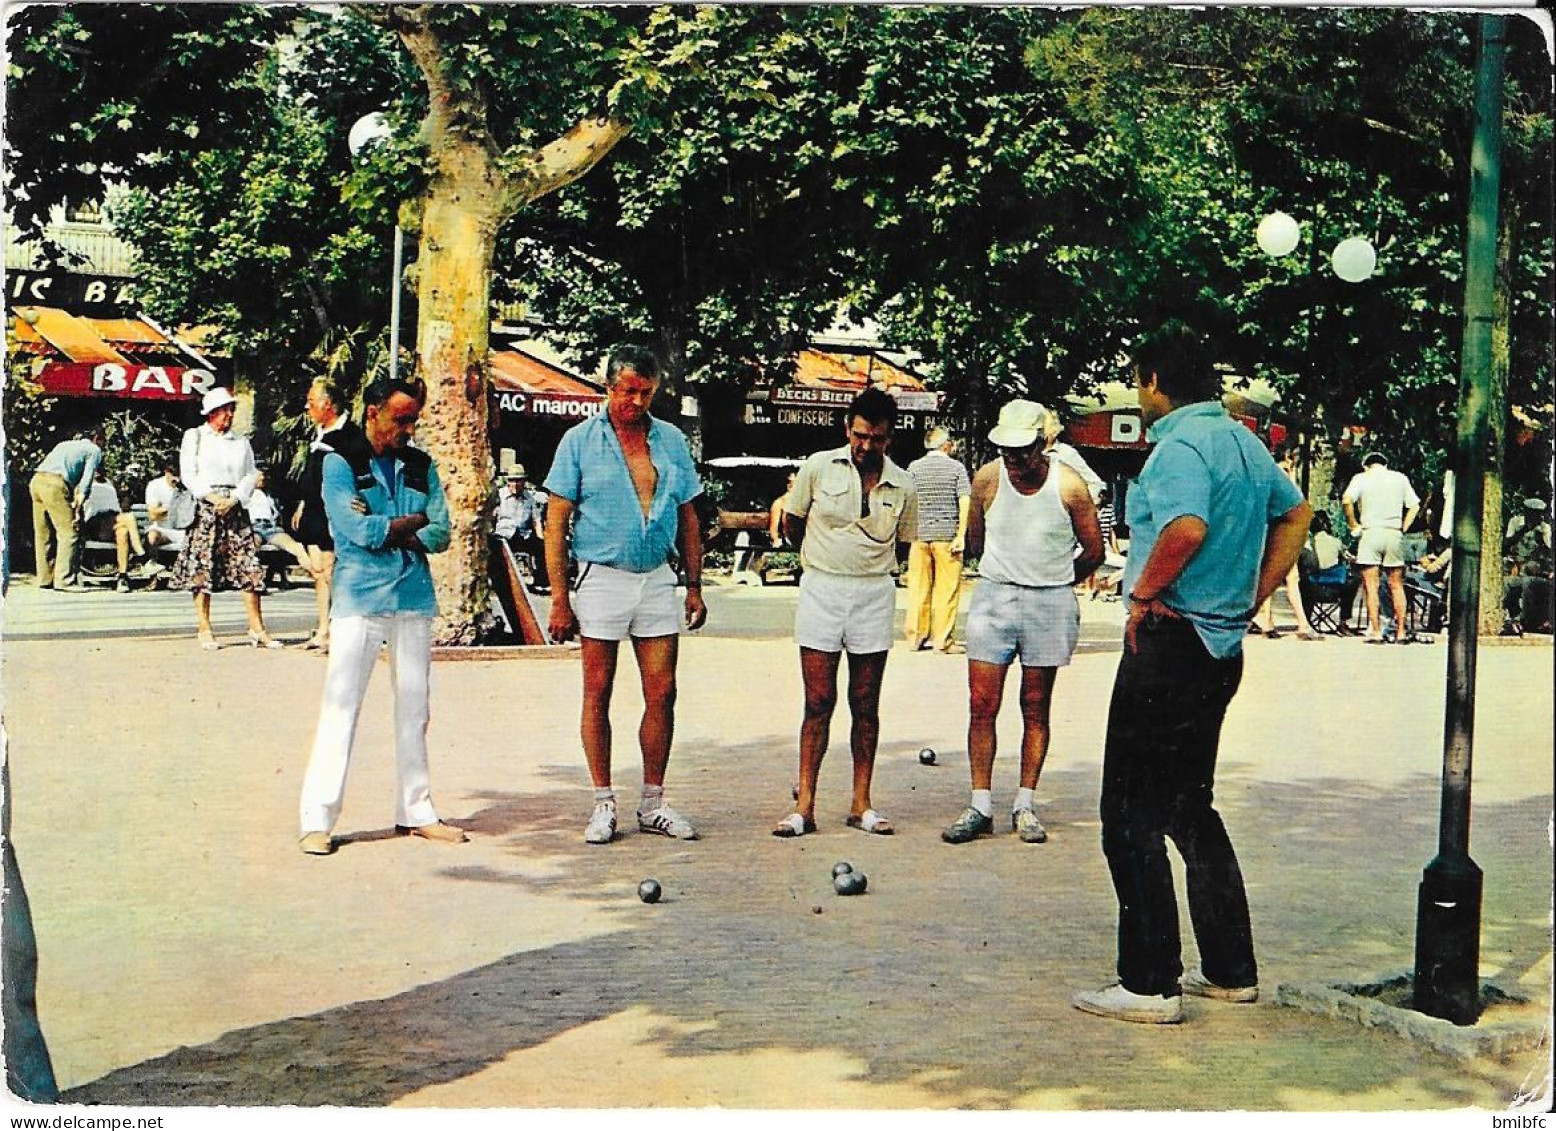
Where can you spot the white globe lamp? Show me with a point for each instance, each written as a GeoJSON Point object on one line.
{"type": "Point", "coordinates": [1277, 234]}
{"type": "Point", "coordinates": [368, 129]}
{"type": "Point", "coordinates": [1354, 259]}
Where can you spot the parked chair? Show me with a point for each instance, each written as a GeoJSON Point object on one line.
{"type": "Point", "coordinates": [1328, 596]}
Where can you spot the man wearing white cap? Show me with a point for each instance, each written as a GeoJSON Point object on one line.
{"type": "Point", "coordinates": [1380, 504]}
{"type": "Point", "coordinates": [1029, 512]}
{"type": "Point", "coordinates": [518, 522]}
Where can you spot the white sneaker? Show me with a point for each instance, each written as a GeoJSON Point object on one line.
{"type": "Point", "coordinates": [1119, 1004]}
{"type": "Point", "coordinates": [1195, 983]}
{"type": "Point", "coordinates": [666, 822]}
{"type": "Point", "coordinates": [602, 826]}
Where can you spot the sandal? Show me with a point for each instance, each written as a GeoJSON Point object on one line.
{"type": "Point", "coordinates": [871, 822]}
{"type": "Point", "coordinates": [207, 642]}
{"type": "Point", "coordinates": [795, 824]}
{"type": "Point", "coordinates": [1303, 634]}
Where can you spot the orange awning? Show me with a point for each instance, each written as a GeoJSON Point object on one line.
{"type": "Point", "coordinates": [78, 339]}
{"type": "Point", "coordinates": [516, 372]}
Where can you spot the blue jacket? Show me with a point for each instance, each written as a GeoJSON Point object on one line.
{"type": "Point", "coordinates": [372, 579]}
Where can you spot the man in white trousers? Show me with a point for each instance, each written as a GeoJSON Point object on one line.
{"type": "Point", "coordinates": [387, 513]}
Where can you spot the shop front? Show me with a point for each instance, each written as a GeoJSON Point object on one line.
{"type": "Point", "coordinates": [806, 413]}
{"type": "Point", "coordinates": [534, 401]}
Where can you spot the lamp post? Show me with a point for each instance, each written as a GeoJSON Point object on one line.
{"type": "Point", "coordinates": [367, 130]}
{"type": "Point", "coordinates": [1448, 905]}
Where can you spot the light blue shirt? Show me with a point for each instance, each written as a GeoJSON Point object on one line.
{"type": "Point", "coordinates": [1208, 465]}
{"type": "Point", "coordinates": [75, 461]}
{"type": "Point", "coordinates": [371, 579]}
{"type": "Point", "coordinates": [609, 526]}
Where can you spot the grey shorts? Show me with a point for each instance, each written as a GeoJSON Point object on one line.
{"type": "Point", "coordinates": [1380, 545]}
{"type": "Point", "coordinates": [1041, 625]}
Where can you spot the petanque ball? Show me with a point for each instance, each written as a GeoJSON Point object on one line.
{"type": "Point", "coordinates": [649, 891]}
{"type": "Point", "coordinates": [926, 756]}
{"type": "Point", "coordinates": [842, 867]}
{"type": "Point", "coordinates": [850, 883]}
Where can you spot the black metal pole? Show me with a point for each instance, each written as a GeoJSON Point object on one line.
{"type": "Point", "coordinates": [1447, 973]}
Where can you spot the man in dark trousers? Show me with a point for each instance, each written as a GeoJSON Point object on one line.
{"type": "Point", "coordinates": [326, 408]}
{"type": "Point", "coordinates": [1215, 526]}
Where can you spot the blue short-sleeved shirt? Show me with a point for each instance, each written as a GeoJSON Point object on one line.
{"type": "Point", "coordinates": [1208, 465]}
{"type": "Point", "coordinates": [371, 579]}
{"type": "Point", "coordinates": [75, 461]}
{"type": "Point", "coordinates": [609, 526]}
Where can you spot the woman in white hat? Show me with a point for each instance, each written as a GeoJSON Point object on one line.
{"type": "Point", "coordinates": [220, 551]}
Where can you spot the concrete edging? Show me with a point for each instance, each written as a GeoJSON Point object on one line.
{"type": "Point", "coordinates": [1361, 1003]}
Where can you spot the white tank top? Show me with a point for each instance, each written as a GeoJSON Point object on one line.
{"type": "Point", "coordinates": [1028, 539]}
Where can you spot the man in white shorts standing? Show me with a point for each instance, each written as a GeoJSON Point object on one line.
{"type": "Point", "coordinates": [622, 486]}
{"type": "Point", "coordinates": [1380, 505]}
{"type": "Point", "coordinates": [847, 510]}
{"type": "Point", "coordinates": [1029, 511]}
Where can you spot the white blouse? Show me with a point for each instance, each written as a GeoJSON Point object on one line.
{"type": "Point", "coordinates": [208, 459]}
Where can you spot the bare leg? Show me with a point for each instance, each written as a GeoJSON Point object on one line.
{"type": "Point", "coordinates": [985, 693]}
{"type": "Point", "coordinates": [295, 548]}
{"type": "Point", "coordinates": [1037, 689]}
{"type": "Point", "coordinates": [256, 619]}
{"type": "Point", "coordinates": [1400, 601]}
{"type": "Point", "coordinates": [599, 676]}
{"type": "Point", "coordinates": [1294, 595]}
{"type": "Point", "coordinates": [322, 563]}
{"type": "Point", "coordinates": [202, 604]}
{"type": "Point", "coordinates": [1370, 588]}
{"type": "Point", "coordinates": [864, 701]}
{"type": "Point", "coordinates": [818, 670]}
{"type": "Point", "coordinates": [656, 658]}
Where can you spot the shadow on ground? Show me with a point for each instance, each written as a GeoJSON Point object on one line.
{"type": "Point", "coordinates": [953, 973]}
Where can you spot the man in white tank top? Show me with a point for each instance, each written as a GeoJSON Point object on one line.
{"type": "Point", "coordinates": [1029, 513]}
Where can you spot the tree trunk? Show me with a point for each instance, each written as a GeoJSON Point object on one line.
{"type": "Point", "coordinates": [463, 210]}
{"type": "Point", "coordinates": [1493, 580]}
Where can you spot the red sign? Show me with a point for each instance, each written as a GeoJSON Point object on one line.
{"type": "Point", "coordinates": [139, 382]}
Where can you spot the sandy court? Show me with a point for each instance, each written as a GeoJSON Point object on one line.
{"type": "Point", "coordinates": [190, 953]}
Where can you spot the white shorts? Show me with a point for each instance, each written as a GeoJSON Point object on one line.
{"type": "Point", "coordinates": [1041, 625]}
{"type": "Point", "coordinates": [613, 604]}
{"type": "Point", "coordinates": [1381, 545]}
{"type": "Point", "coordinates": [840, 613]}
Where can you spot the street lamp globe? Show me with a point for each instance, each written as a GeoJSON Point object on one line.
{"type": "Point", "coordinates": [368, 129]}
{"type": "Point", "coordinates": [1354, 259]}
{"type": "Point", "coordinates": [1277, 234]}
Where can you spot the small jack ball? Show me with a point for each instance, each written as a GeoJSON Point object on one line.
{"type": "Point", "coordinates": [926, 756]}
{"type": "Point", "coordinates": [649, 891]}
{"type": "Point", "coordinates": [840, 868]}
{"type": "Point", "coordinates": [850, 883]}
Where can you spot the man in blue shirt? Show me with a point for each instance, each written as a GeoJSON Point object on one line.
{"type": "Point", "coordinates": [621, 488]}
{"type": "Point", "coordinates": [59, 489]}
{"type": "Point", "coordinates": [387, 513]}
{"type": "Point", "coordinates": [1216, 526]}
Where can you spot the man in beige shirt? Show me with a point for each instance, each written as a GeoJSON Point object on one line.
{"type": "Point", "coordinates": [847, 510]}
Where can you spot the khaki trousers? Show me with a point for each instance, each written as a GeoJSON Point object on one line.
{"type": "Point", "coordinates": [53, 529]}
{"type": "Point", "coordinates": [934, 593]}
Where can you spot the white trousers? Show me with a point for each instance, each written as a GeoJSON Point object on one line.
{"type": "Point", "coordinates": [354, 644]}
